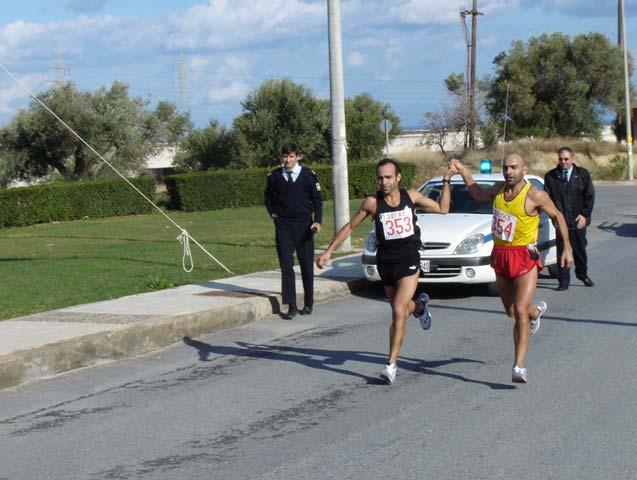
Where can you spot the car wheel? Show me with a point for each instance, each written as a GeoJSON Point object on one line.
{"type": "Point", "coordinates": [492, 289]}
{"type": "Point", "coordinates": [553, 271]}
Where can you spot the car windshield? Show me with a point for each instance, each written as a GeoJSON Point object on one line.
{"type": "Point", "coordinates": [461, 201]}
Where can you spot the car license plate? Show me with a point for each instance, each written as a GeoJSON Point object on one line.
{"type": "Point", "coordinates": [425, 266]}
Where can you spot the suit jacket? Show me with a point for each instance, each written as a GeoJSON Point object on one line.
{"type": "Point", "coordinates": [573, 198]}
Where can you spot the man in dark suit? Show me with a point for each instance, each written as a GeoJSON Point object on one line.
{"type": "Point", "coordinates": [571, 189]}
{"type": "Point", "coordinates": [293, 200]}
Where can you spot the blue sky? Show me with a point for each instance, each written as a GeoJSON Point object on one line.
{"type": "Point", "coordinates": [399, 51]}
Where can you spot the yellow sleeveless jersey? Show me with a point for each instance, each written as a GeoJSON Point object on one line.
{"type": "Point", "coordinates": [511, 225]}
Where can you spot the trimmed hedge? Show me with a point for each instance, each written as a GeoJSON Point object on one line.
{"type": "Point", "coordinates": [244, 188]}
{"type": "Point", "coordinates": [216, 190]}
{"type": "Point", "coordinates": [72, 201]}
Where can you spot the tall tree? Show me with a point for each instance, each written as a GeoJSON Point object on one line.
{"type": "Point", "coordinates": [558, 86]}
{"type": "Point", "coordinates": [211, 147]}
{"type": "Point", "coordinates": [278, 112]}
{"type": "Point", "coordinates": [118, 127]}
{"type": "Point", "coordinates": [363, 115]}
{"type": "Point", "coordinates": [453, 117]}
{"type": "Point", "coordinates": [166, 125]}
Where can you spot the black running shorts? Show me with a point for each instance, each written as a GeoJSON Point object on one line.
{"type": "Point", "coordinates": [390, 273]}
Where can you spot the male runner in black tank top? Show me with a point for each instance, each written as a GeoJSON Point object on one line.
{"type": "Point", "coordinates": [393, 211]}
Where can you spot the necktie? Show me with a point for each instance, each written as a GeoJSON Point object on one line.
{"type": "Point", "coordinates": [289, 172]}
{"type": "Point", "coordinates": [565, 176]}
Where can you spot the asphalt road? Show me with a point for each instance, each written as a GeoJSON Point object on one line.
{"type": "Point", "coordinates": [302, 399]}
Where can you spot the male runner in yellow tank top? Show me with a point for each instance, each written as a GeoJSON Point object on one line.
{"type": "Point", "coordinates": [516, 216]}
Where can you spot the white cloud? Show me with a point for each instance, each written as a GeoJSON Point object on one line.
{"type": "Point", "coordinates": [231, 81]}
{"type": "Point", "coordinates": [356, 59]}
{"type": "Point", "coordinates": [222, 23]}
{"type": "Point", "coordinates": [234, 91]}
{"type": "Point", "coordinates": [216, 25]}
{"type": "Point", "coordinates": [81, 36]}
{"type": "Point", "coordinates": [496, 6]}
{"type": "Point", "coordinates": [585, 8]}
{"type": "Point", "coordinates": [199, 62]}
{"type": "Point", "coordinates": [13, 96]}
{"type": "Point", "coordinates": [14, 36]}
{"type": "Point", "coordinates": [425, 12]}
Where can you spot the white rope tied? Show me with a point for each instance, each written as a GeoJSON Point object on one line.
{"type": "Point", "coordinates": [183, 237]}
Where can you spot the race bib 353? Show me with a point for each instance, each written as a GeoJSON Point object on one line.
{"type": "Point", "coordinates": [397, 224]}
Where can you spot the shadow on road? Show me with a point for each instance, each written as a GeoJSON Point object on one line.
{"type": "Point", "coordinates": [620, 229]}
{"type": "Point", "coordinates": [332, 360]}
{"type": "Point", "coordinates": [544, 317]}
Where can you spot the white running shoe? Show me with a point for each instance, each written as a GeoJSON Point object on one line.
{"type": "Point", "coordinates": [519, 374]}
{"type": "Point", "coordinates": [389, 373]}
{"type": "Point", "coordinates": [424, 316]}
{"type": "Point", "coordinates": [535, 322]}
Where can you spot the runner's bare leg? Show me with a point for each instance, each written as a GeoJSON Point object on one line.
{"type": "Point", "coordinates": [524, 288]}
{"type": "Point", "coordinates": [402, 305]}
{"type": "Point", "coordinates": [507, 295]}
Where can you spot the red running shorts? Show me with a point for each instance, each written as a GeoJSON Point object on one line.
{"type": "Point", "coordinates": [513, 262]}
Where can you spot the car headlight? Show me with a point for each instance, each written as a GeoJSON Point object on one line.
{"type": "Point", "coordinates": [470, 245]}
{"type": "Point", "coordinates": [371, 245]}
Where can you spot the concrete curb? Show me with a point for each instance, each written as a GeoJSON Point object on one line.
{"type": "Point", "coordinates": [128, 340]}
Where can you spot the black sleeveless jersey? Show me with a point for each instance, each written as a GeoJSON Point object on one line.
{"type": "Point", "coordinates": [397, 232]}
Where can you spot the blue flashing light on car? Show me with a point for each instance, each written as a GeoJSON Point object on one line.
{"type": "Point", "coordinates": [486, 166]}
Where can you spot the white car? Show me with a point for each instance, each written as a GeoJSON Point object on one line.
{"type": "Point", "coordinates": [456, 247]}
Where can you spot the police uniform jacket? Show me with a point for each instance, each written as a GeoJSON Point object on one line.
{"type": "Point", "coordinates": [298, 201]}
{"type": "Point", "coordinates": [573, 198]}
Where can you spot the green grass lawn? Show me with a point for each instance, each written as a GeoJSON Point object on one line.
{"type": "Point", "coordinates": [58, 265]}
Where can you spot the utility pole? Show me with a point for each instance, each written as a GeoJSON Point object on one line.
{"type": "Point", "coordinates": [472, 86]}
{"type": "Point", "coordinates": [620, 43]}
{"type": "Point", "coordinates": [467, 70]}
{"type": "Point", "coordinates": [337, 111]}
{"type": "Point", "coordinates": [629, 134]}
{"type": "Point", "coordinates": [620, 22]}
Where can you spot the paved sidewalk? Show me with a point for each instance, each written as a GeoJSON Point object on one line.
{"type": "Point", "coordinates": [45, 344]}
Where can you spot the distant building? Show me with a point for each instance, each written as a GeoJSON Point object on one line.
{"type": "Point", "coordinates": [420, 139]}
{"type": "Point", "coordinates": [162, 163]}
{"type": "Point", "coordinates": [607, 134]}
